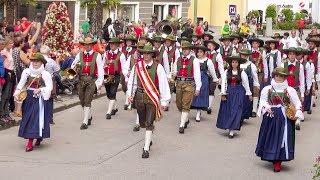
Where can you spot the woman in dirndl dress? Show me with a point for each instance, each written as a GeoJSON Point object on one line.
{"type": "Point", "coordinates": [35, 123]}
{"type": "Point", "coordinates": [234, 88]}
{"type": "Point", "coordinates": [277, 132]}
{"type": "Point", "coordinates": [200, 101]}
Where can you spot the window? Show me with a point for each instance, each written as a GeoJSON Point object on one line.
{"type": "Point", "coordinates": [159, 11]}
{"type": "Point", "coordinates": [126, 12]}
{"type": "Point", "coordinates": [162, 10]}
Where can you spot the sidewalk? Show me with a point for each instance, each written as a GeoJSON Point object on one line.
{"type": "Point", "coordinates": [64, 102]}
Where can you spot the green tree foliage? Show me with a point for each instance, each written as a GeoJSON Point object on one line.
{"type": "Point", "coordinates": [271, 12]}
{"type": "Point", "coordinates": [288, 14]}
{"type": "Point", "coordinates": [96, 8]}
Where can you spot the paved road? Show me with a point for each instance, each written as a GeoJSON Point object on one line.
{"type": "Point", "coordinates": [111, 150]}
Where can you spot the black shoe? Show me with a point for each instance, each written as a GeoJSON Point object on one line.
{"type": "Point", "coordinates": [150, 144]}
{"type": "Point", "coordinates": [89, 121]}
{"type": "Point", "coordinates": [38, 142]}
{"type": "Point", "coordinates": [108, 116]}
{"type": "Point", "coordinates": [230, 136]}
{"type": "Point", "coordinates": [186, 124]}
{"type": "Point", "coordinates": [166, 109]}
{"type": "Point", "coordinates": [209, 111]}
{"type": "Point", "coordinates": [113, 112]}
{"type": "Point", "coordinates": [298, 127]}
{"type": "Point", "coordinates": [136, 128]}
{"type": "Point", "coordinates": [254, 114]}
{"type": "Point", "coordinates": [145, 154]}
{"type": "Point", "coordinates": [181, 130]}
{"type": "Point", "coordinates": [126, 107]}
{"type": "Point", "coordinates": [197, 120]}
{"type": "Point", "coordinates": [314, 105]}
{"type": "Point", "coordinates": [309, 112]}
{"type": "Point", "coordinates": [83, 126]}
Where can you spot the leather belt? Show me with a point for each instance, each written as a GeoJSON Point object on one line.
{"type": "Point", "coordinates": [185, 79]}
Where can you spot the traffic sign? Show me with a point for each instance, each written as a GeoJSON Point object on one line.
{"type": "Point", "coordinates": [232, 10]}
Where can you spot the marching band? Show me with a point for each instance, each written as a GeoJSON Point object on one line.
{"type": "Point", "coordinates": [254, 78]}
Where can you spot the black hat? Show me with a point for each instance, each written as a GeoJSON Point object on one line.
{"type": "Point", "coordinates": [260, 41]}
{"type": "Point", "coordinates": [213, 42]}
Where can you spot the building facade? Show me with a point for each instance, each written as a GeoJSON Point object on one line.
{"type": "Point", "coordinates": [216, 11]}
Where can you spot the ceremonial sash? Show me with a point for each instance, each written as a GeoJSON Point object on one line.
{"type": "Point", "coordinates": [149, 86]}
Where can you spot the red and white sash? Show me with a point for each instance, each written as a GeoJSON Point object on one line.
{"type": "Point", "coordinates": [149, 86]}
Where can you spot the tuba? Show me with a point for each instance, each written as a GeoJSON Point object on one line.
{"type": "Point", "coordinates": [166, 27]}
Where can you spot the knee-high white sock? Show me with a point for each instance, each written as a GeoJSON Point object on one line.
{"type": "Point", "coordinates": [127, 100]}
{"type": "Point", "coordinates": [90, 113]}
{"type": "Point", "coordinates": [313, 100]}
{"type": "Point", "coordinates": [137, 120]}
{"type": "Point", "coordinates": [147, 140]}
{"type": "Point", "coordinates": [255, 104]}
{"type": "Point", "coordinates": [86, 111]}
{"type": "Point", "coordinates": [115, 105]}
{"type": "Point", "coordinates": [184, 117]}
{"type": "Point", "coordinates": [111, 105]}
{"type": "Point", "coordinates": [211, 99]}
{"type": "Point", "coordinates": [198, 116]}
{"type": "Point", "coordinates": [298, 122]}
{"type": "Point", "coordinates": [231, 132]}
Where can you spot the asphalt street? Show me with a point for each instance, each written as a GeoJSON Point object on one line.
{"type": "Point", "coordinates": [109, 149]}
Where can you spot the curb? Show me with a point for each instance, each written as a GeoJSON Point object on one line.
{"type": "Point", "coordinates": [68, 106]}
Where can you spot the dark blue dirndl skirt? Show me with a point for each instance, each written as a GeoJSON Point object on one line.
{"type": "Point", "coordinates": [271, 135]}
{"type": "Point", "coordinates": [248, 105]}
{"type": "Point", "coordinates": [49, 109]}
{"type": "Point", "coordinates": [202, 101]}
{"type": "Point", "coordinates": [307, 102]}
{"type": "Point", "coordinates": [230, 111]}
{"type": "Point", "coordinates": [29, 126]}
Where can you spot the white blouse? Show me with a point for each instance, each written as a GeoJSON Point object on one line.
{"type": "Point", "coordinates": [268, 71]}
{"type": "Point", "coordinates": [244, 78]}
{"type": "Point", "coordinates": [254, 72]}
{"type": "Point", "coordinates": [264, 105]}
{"type": "Point", "coordinates": [45, 75]}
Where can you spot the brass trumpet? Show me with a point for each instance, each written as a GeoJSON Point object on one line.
{"type": "Point", "coordinates": [72, 73]}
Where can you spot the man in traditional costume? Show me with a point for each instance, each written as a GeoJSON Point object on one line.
{"type": "Point", "coordinates": [89, 66]}
{"type": "Point", "coordinates": [151, 92]}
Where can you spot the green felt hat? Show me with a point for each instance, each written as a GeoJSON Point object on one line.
{"type": "Point", "coordinates": [147, 48]}
{"type": "Point", "coordinates": [213, 42]}
{"type": "Point", "coordinates": [131, 38]}
{"type": "Point", "coordinates": [292, 49]}
{"type": "Point", "coordinates": [280, 71]}
{"type": "Point", "coordinates": [115, 40]}
{"type": "Point", "coordinates": [38, 57]}
{"type": "Point", "coordinates": [186, 45]}
{"type": "Point", "coordinates": [247, 52]}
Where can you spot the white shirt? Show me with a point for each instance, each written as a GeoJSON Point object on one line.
{"type": "Point", "coordinates": [285, 43]}
{"type": "Point", "coordinates": [254, 72]}
{"type": "Point", "coordinates": [264, 105]}
{"type": "Point", "coordinates": [310, 70]}
{"type": "Point", "coordinates": [111, 31]}
{"type": "Point", "coordinates": [164, 88]}
{"type": "Point", "coordinates": [51, 65]}
{"type": "Point", "coordinates": [211, 68]}
{"type": "Point", "coordinates": [301, 77]}
{"type": "Point", "coordinates": [268, 71]}
{"type": "Point", "coordinates": [244, 79]}
{"type": "Point", "coordinates": [219, 60]}
{"type": "Point", "coordinates": [177, 55]}
{"type": "Point", "coordinates": [293, 41]}
{"type": "Point", "coordinates": [165, 60]}
{"type": "Point", "coordinates": [99, 63]}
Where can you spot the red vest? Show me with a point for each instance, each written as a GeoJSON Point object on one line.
{"type": "Point", "coordinates": [86, 64]}
{"type": "Point", "coordinates": [213, 57]}
{"type": "Point", "coordinates": [112, 64]}
{"type": "Point", "coordinates": [314, 58]}
{"type": "Point", "coordinates": [185, 67]}
{"type": "Point", "coordinates": [293, 77]}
